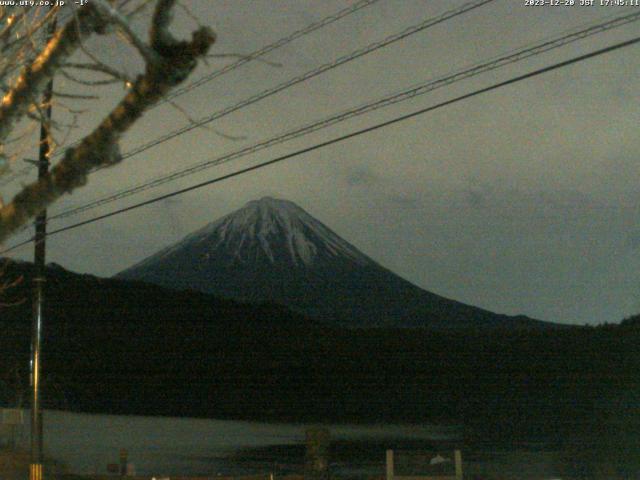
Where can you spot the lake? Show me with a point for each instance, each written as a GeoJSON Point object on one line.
{"type": "Point", "coordinates": [87, 443]}
{"type": "Point", "coordinates": [168, 446]}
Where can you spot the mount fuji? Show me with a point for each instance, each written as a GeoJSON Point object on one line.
{"type": "Point", "coordinates": [273, 251]}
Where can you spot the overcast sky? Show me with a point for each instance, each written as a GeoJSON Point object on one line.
{"type": "Point", "coordinates": [523, 200]}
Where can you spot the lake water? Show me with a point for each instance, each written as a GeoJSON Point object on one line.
{"type": "Point", "coordinates": [183, 446]}
{"type": "Point", "coordinates": [167, 447]}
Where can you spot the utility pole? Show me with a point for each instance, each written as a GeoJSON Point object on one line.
{"type": "Point", "coordinates": [39, 279]}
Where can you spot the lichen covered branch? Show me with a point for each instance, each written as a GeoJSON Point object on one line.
{"type": "Point", "coordinates": [34, 77]}
{"type": "Point", "coordinates": [174, 62]}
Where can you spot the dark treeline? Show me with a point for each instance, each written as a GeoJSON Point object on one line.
{"type": "Point", "coordinates": [118, 347]}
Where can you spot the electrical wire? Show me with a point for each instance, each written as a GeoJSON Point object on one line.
{"type": "Point", "coordinates": [234, 65]}
{"type": "Point", "coordinates": [372, 47]}
{"type": "Point", "coordinates": [342, 138]}
{"type": "Point", "coordinates": [267, 49]}
{"type": "Point", "coordinates": [411, 92]}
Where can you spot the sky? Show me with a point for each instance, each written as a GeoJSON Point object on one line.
{"type": "Point", "coordinates": [523, 200]}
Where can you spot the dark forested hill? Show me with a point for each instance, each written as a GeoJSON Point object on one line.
{"type": "Point", "coordinates": [115, 346]}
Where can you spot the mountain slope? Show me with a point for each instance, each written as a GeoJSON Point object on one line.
{"type": "Point", "coordinates": [272, 250]}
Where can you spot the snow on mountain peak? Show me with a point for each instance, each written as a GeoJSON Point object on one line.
{"type": "Point", "coordinates": [271, 250]}
{"type": "Point", "coordinates": [274, 228]}
{"type": "Point", "coordinates": [274, 222]}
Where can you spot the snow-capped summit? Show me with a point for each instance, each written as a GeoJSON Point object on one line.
{"type": "Point", "coordinates": [272, 250]}
{"type": "Point", "coordinates": [277, 230]}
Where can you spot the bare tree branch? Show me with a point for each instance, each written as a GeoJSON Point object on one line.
{"type": "Point", "coordinates": [34, 77]}
{"type": "Point", "coordinates": [7, 284]}
{"type": "Point", "coordinates": [136, 10]}
{"type": "Point", "coordinates": [123, 24]}
{"type": "Point", "coordinates": [100, 67]}
{"type": "Point", "coordinates": [88, 83]}
{"type": "Point", "coordinates": [209, 128]}
{"type": "Point", "coordinates": [174, 61]}
{"type": "Point", "coordinates": [76, 96]}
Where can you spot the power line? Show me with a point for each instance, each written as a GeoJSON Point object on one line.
{"type": "Point", "coordinates": [341, 138]}
{"type": "Point", "coordinates": [372, 47]}
{"type": "Point", "coordinates": [468, 72]}
{"type": "Point", "coordinates": [238, 63]}
{"type": "Point", "coordinates": [296, 80]}
{"type": "Point", "coordinates": [269, 48]}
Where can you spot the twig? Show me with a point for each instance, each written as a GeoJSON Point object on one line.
{"type": "Point", "coordinates": [189, 118]}
{"type": "Point", "coordinates": [123, 24]}
{"type": "Point", "coordinates": [33, 79]}
{"type": "Point", "coordinates": [175, 61]}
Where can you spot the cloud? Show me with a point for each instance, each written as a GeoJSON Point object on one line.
{"type": "Point", "coordinates": [361, 176]}
{"type": "Point", "coordinates": [476, 198]}
{"type": "Point", "coordinates": [633, 240]}
{"type": "Point", "coordinates": [403, 200]}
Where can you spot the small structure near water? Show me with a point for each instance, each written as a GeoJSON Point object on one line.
{"type": "Point", "coordinates": [420, 465]}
